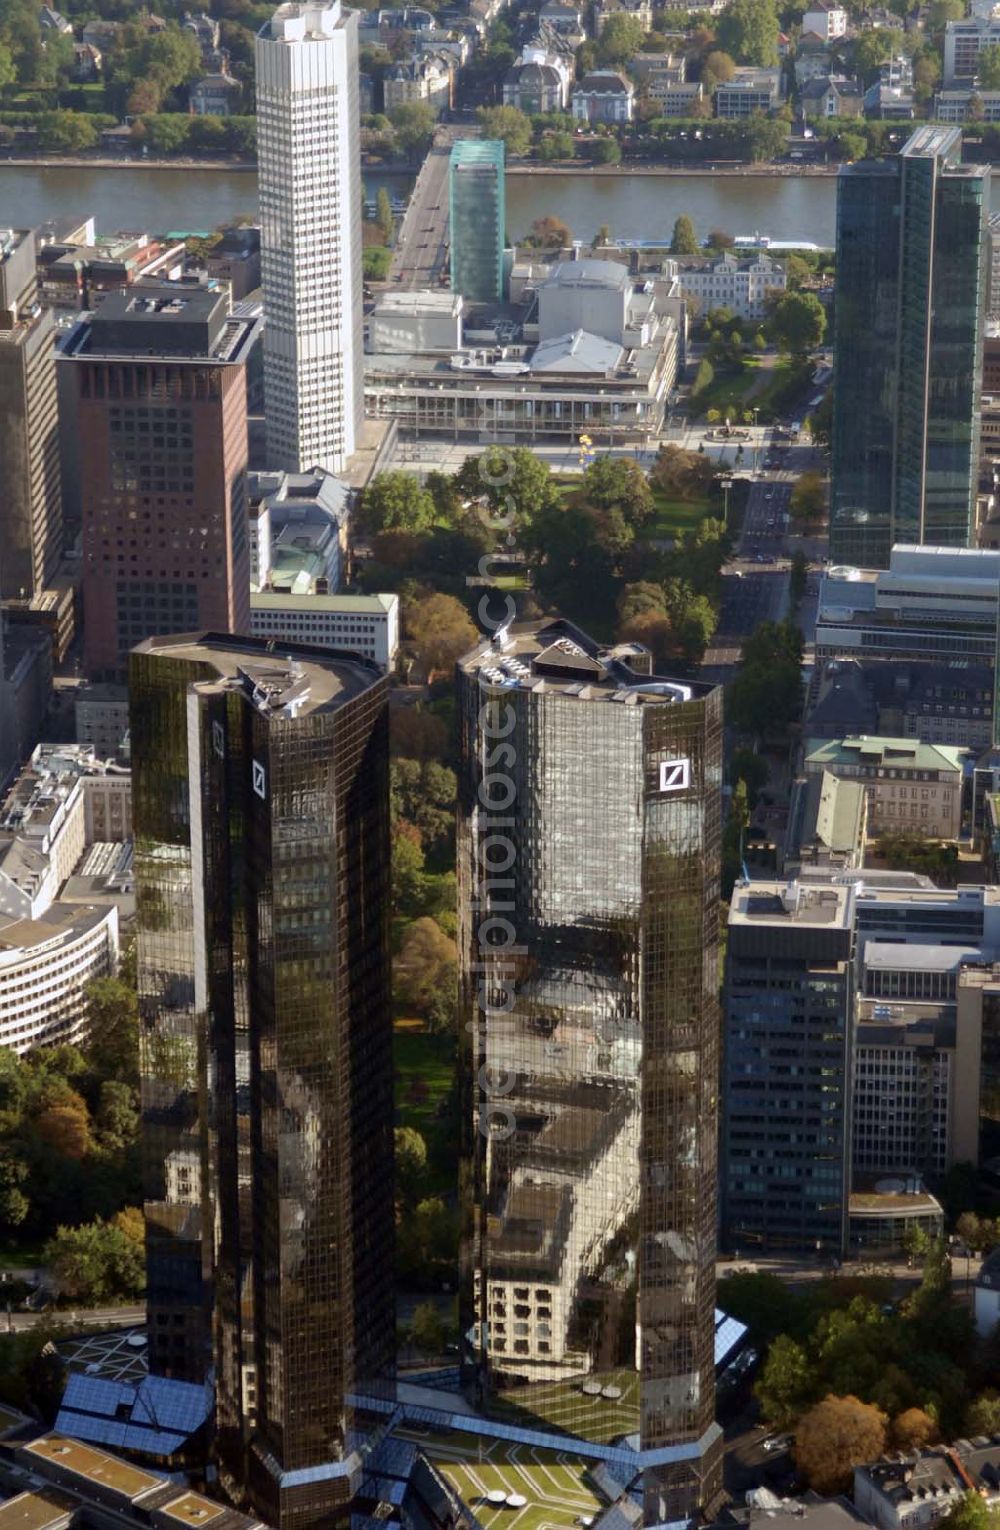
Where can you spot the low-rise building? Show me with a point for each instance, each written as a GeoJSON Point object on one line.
{"type": "Point", "coordinates": [539, 81]}
{"type": "Point", "coordinates": [914, 1490]}
{"type": "Point", "coordinates": [814, 59]}
{"type": "Point", "coordinates": [216, 95]}
{"type": "Point", "coordinates": [827, 19]}
{"type": "Point", "coordinates": [598, 356]}
{"type": "Point", "coordinates": [967, 105]}
{"type": "Point", "coordinates": [913, 788]}
{"type": "Point", "coordinates": [828, 96]}
{"type": "Point", "coordinates": [236, 259]}
{"type": "Point", "coordinates": [750, 90]}
{"type": "Point", "coordinates": [676, 100]}
{"type": "Point", "coordinates": [883, 1216]}
{"type": "Point", "coordinates": [364, 624]}
{"type": "Point", "coordinates": [827, 824]}
{"type": "Point", "coordinates": [298, 528]}
{"type": "Point", "coordinates": [427, 77]}
{"type": "Point", "coordinates": [963, 42]}
{"type": "Point", "coordinates": [102, 720]}
{"type": "Point", "coordinates": [641, 10]}
{"type": "Point", "coordinates": [603, 96]}
{"type": "Point", "coordinates": [45, 966]}
{"type": "Point", "coordinates": [738, 282]}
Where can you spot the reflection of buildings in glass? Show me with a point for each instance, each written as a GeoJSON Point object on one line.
{"type": "Point", "coordinates": [261, 801]}
{"type": "Point", "coordinates": [589, 1219]}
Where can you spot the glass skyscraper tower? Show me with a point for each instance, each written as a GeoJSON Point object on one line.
{"type": "Point", "coordinates": [588, 838]}
{"type": "Point", "coordinates": [262, 862]}
{"type": "Point", "coordinates": [477, 218]}
{"type": "Point", "coordinates": [912, 279]}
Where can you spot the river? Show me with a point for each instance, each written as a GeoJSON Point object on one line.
{"type": "Point", "coordinates": [633, 206]}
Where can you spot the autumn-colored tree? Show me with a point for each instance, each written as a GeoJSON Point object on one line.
{"type": "Point", "coordinates": [550, 233]}
{"type": "Point", "coordinates": [426, 970]}
{"type": "Point", "coordinates": [983, 1415]}
{"type": "Point", "coordinates": [971, 1512]}
{"type": "Point", "coordinates": [913, 1430]}
{"type": "Point", "coordinates": [440, 630]}
{"type": "Point", "coordinates": [63, 1122]}
{"type": "Point", "coordinates": [836, 1435]}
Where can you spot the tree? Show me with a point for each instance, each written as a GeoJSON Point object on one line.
{"type": "Point", "coordinates": [988, 67]}
{"type": "Point", "coordinates": [746, 765]}
{"type": "Point", "coordinates": [427, 1331]}
{"type": "Point", "coordinates": [411, 1161]}
{"type": "Point", "coordinates": [798, 323]}
{"type": "Point", "coordinates": [407, 867]}
{"type": "Point", "coordinates": [940, 12]}
{"type": "Point", "coordinates": [67, 132]}
{"type": "Point", "coordinates": [610, 481]}
{"type": "Point", "coordinates": [983, 1415]}
{"type": "Point", "coordinates": [605, 151]}
{"type": "Point", "coordinates": [807, 502]}
{"type": "Point", "coordinates": [620, 40]}
{"type": "Point", "coordinates": [873, 49]}
{"type": "Point", "coordinates": [913, 1430]}
{"type": "Point", "coordinates": [145, 97]}
{"type": "Point", "coordinates": [516, 485]}
{"type": "Point", "coordinates": [384, 215]}
{"type": "Point", "coordinates": [786, 1384]}
{"type": "Point", "coordinates": [413, 123]}
{"type": "Point", "coordinates": [748, 31]}
{"type": "Point", "coordinates": [395, 501]}
{"type": "Point", "coordinates": [99, 1261]}
{"type": "Point", "coordinates": [717, 68]}
{"type": "Point", "coordinates": [8, 69]}
{"type": "Point", "coordinates": [970, 1513]}
{"type": "Point", "coordinates": [375, 262]}
{"type": "Point", "coordinates": [720, 240]}
{"type": "Point", "coordinates": [836, 1435]}
{"type": "Point", "coordinates": [117, 1118]}
{"type": "Point", "coordinates": [112, 1012]}
{"type": "Point", "coordinates": [63, 1122]}
{"type": "Point", "coordinates": [684, 240]}
{"type": "Point", "coordinates": [798, 578]}
{"type": "Point", "coordinates": [166, 133]}
{"type": "Point", "coordinates": [764, 137]}
{"type": "Point", "coordinates": [682, 474]}
{"type": "Point", "coordinates": [509, 125]}
{"type": "Point", "coordinates": [440, 630]}
{"type": "Point", "coordinates": [426, 972]}
{"type": "Point", "coordinates": [550, 233]}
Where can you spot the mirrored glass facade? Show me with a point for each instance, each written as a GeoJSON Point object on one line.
{"type": "Point", "coordinates": [477, 218]}
{"type": "Point", "coordinates": [588, 935]}
{"type": "Point", "coordinates": [912, 280]}
{"type": "Point", "coordinates": [262, 863]}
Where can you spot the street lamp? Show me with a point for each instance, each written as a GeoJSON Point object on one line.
{"type": "Point", "coordinates": [727, 484]}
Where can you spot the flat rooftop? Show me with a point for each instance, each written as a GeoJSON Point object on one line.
{"type": "Point", "coordinates": [792, 903]}
{"type": "Point", "coordinates": [94, 1466]}
{"type": "Point", "coordinates": [280, 676]}
{"type": "Point", "coordinates": [190, 1509]}
{"type": "Point", "coordinates": [35, 1511]}
{"type": "Point", "coordinates": [558, 656]}
{"type": "Point", "coordinates": [346, 605]}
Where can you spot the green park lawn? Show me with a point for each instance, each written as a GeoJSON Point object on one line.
{"type": "Point", "coordinates": [555, 1484]}
{"type": "Point", "coordinates": [424, 1066]}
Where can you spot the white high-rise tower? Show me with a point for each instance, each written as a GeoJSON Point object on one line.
{"type": "Point", "coordinates": [309, 174]}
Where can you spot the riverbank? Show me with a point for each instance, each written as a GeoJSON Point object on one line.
{"type": "Point", "coordinates": [732, 169]}
{"type": "Point", "coordinates": [249, 166]}
{"type": "Point", "coordinates": [123, 162]}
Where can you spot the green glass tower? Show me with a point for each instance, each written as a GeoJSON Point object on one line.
{"type": "Point", "coordinates": [912, 278]}
{"type": "Point", "coordinates": [478, 218]}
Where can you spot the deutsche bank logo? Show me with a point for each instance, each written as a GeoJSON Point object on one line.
{"type": "Point", "coordinates": [675, 775]}
{"type": "Point", "coordinates": [259, 780]}
{"type": "Point", "coordinates": [218, 740]}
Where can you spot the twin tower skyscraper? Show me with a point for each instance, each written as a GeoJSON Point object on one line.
{"type": "Point", "coordinates": [588, 873]}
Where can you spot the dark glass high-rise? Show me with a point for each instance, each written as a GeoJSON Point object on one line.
{"type": "Point", "coordinates": [588, 855]}
{"type": "Point", "coordinates": [912, 282]}
{"type": "Point", "coordinates": [262, 866]}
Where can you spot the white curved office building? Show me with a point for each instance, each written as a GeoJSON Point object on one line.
{"type": "Point", "coordinates": [45, 965]}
